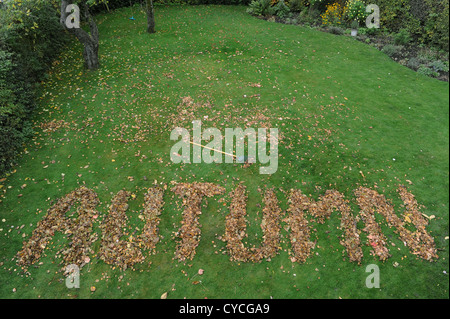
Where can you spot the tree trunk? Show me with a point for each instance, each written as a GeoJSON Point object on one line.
{"type": "Point", "coordinates": [90, 55]}
{"type": "Point", "coordinates": [150, 17]}
{"type": "Point", "coordinates": [89, 41]}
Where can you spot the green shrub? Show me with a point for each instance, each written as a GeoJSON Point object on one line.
{"type": "Point", "coordinates": [393, 13]}
{"type": "Point", "coordinates": [356, 11]}
{"type": "Point", "coordinates": [391, 50]}
{"type": "Point", "coordinates": [354, 25]}
{"type": "Point", "coordinates": [425, 20]}
{"type": "Point", "coordinates": [281, 9]}
{"type": "Point", "coordinates": [436, 29]}
{"type": "Point", "coordinates": [259, 7]}
{"type": "Point", "coordinates": [321, 5]}
{"type": "Point", "coordinates": [335, 30]}
{"type": "Point", "coordinates": [296, 5]}
{"type": "Point", "coordinates": [424, 70]}
{"type": "Point", "coordinates": [402, 37]}
{"type": "Point", "coordinates": [11, 115]}
{"type": "Point", "coordinates": [372, 31]}
{"type": "Point", "coordinates": [439, 66]}
{"type": "Point", "coordinates": [419, 9]}
{"type": "Point", "coordinates": [414, 63]}
{"type": "Point", "coordinates": [30, 39]}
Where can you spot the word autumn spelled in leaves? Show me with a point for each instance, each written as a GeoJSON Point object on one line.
{"type": "Point", "coordinates": [124, 253]}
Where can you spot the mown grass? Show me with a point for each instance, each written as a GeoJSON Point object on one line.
{"type": "Point", "coordinates": [342, 107]}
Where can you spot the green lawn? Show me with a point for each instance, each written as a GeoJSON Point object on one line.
{"type": "Point", "coordinates": [348, 115]}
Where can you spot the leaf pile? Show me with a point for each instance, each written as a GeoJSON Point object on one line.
{"type": "Point", "coordinates": [79, 230]}
{"type": "Point", "coordinates": [419, 242]}
{"type": "Point", "coordinates": [236, 224]}
{"type": "Point", "coordinates": [125, 253]}
{"type": "Point", "coordinates": [375, 237]}
{"type": "Point", "coordinates": [152, 210]}
{"type": "Point", "coordinates": [114, 250]}
{"type": "Point", "coordinates": [53, 125]}
{"type": "Point", "coordinates": [190, 232]}
{"type": "Point", "coordinates": [298, 224]}
{"type": "Point", "coordinates": [334, 201]}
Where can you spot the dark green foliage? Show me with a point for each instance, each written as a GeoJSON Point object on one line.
{"type": "Point", "coordinates": [439, 66]}
{"type": "Point", "coordinates": [425, 20]}
{"type": "Point", "coordinates": [414, 63]}
{"type": "Point", "coordinates": [321, 5]}
{"type": "Point", "coordinates": [28, 45]}
{"type": "Point", "coordinates": [296, 5]}
{"type": "Point", "coordinates": [391, 50]}
{"type": "Point", "coordinates": [436, 28]}
{"type": "Point", "coordinates": [281, 9]}
{"type": "Point", "coordinates": [11, 114]}
{"type": "Point", "coordinates": [264, 8]}
{"type": "Point", "coordinates": [424, 70]}
{"type": "Point", "coordinates": [336, 30]}
{"type": "Point", "coordinates": [402, 37]}
{"type": "Point", "coordinates": [259, 7]}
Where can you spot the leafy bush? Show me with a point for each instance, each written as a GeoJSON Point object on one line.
{"type": "Point", "coordinates": [321, 5]}
{"type": "Point", "coordinates": [259, 7]}
{"type": "Point", "coordinates": [394, 13]}
{"type": "Point", "coordinates": [296, 5]}
{"type": "Point", "coordinates": [354, 25]}
{"type": "Point", "coordinates": [439, 66]}
{"type": "Point", "coordinates": [414, 63]}
{"type": "Point", "coordinates": [11, 115]}
{"type": "Point", "coordinates": [308, 16]}
{"type": "Point", "coordinates": [425, 20]}
{"type": "Point", "coordinates": [391, 50]}
{"type": "Point", "coordinates": [281, 9]}
{"type": "Point", "coordinates": [355, 10]}
{"type": "Point", "coordinates": [402, 37]}
{"type": "Point", "coordinates": [336, 30]}
{"type": "Point", "coordinates": [372, 31]}
{"type": "Point", "coordinates": [436, 29]}
{"type": "Point", "coordinates": [30, 38]}
{"type": "Point", "coordinates": [293, 21]}
{"type": "Point", "coordinates": [424, 70]}
{"type": "Point", "coordinates": [333, 14]}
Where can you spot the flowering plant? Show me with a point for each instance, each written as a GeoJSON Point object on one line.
{"type": "Point", "coordinates": [333, 15]}
{"type": "Point", "coordinates": [355, 10]}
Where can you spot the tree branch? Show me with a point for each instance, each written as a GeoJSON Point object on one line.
{"type": "Point", "coordinates": [79, 33]}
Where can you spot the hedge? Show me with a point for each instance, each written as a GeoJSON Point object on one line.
{"type": "Point", "coordinates": [29, 42]}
